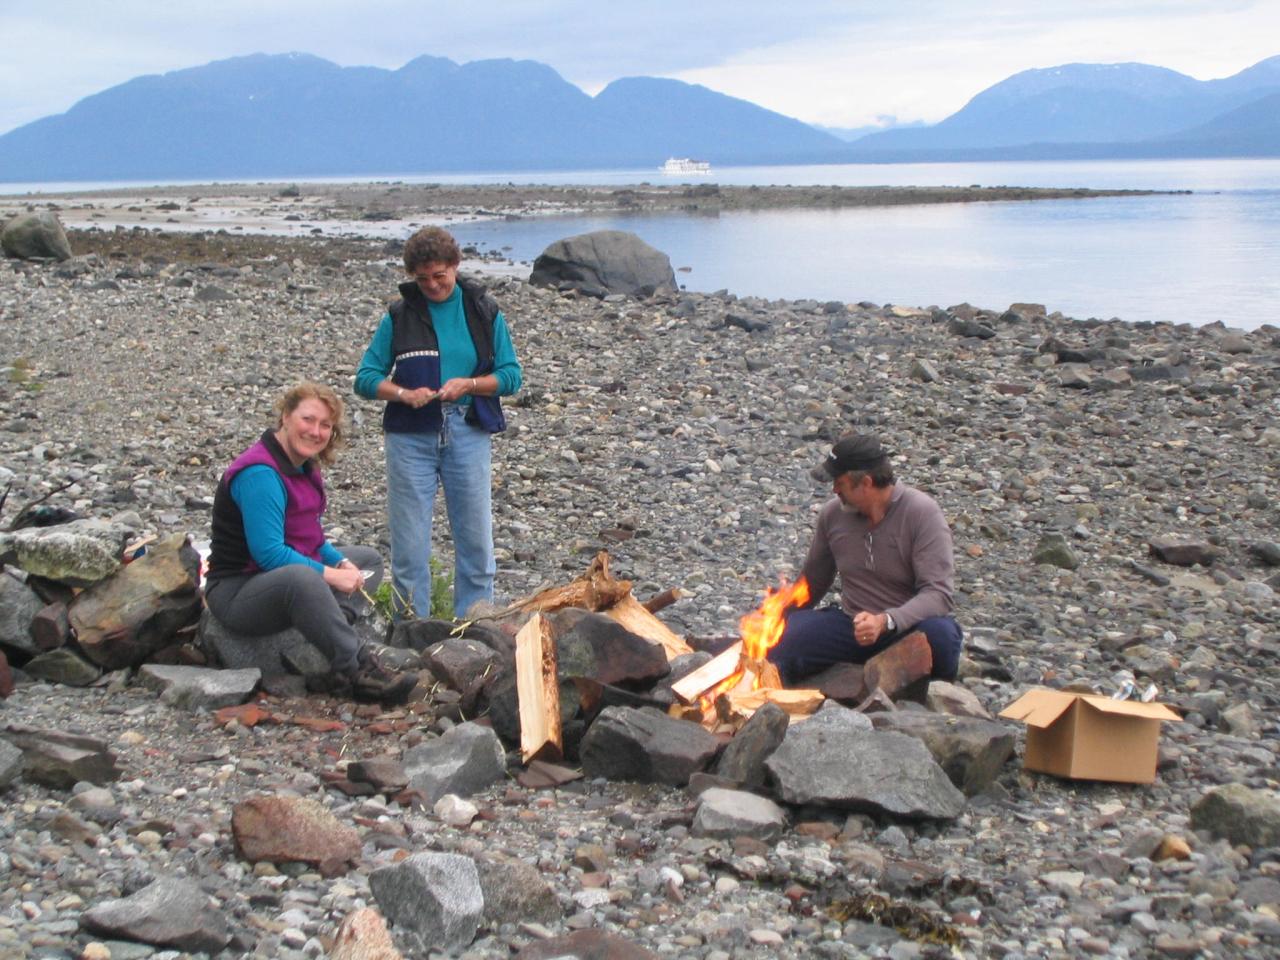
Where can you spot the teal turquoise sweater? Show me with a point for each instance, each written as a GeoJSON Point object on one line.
{"type": "Point", "coordinates": [457, 352]}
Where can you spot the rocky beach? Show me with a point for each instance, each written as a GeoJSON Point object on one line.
{"type": "Point", "coordinates": [1112, 489]}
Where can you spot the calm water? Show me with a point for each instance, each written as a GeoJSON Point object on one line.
{"type": "Point", "coordinates": [1212, 255]}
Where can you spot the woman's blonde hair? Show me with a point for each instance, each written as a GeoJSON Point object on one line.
{"type": "Point", "coordinates": [292, 397]}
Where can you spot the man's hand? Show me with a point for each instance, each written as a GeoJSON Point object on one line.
{"type": "Point", "coordinates": [868, 627]}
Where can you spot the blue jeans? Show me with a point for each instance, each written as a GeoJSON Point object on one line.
{"type": "Point", "coordinates": [815, 639]}
{"type": "Point", "coordinates": [458, 458]}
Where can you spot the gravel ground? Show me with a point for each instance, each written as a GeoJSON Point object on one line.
{"type": "Point", "coordinates": [679, 434]}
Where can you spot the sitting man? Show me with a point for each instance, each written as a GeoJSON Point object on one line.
{"type": "Point", "coordinates": [892, 548]}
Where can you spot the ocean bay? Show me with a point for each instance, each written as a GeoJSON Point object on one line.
{"type": "Point", "coordinates": [1208, 252]}
{"type": "Point", "coordinates": [1200, 257]}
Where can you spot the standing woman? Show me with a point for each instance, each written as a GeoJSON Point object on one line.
{"type": "Point", "coordinates": [440, 359]}
{"type": "Point", "coordinates": [270, 566]}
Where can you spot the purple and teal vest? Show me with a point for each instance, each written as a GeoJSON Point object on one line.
{"type": "Point", "coordinates": [304, 505]}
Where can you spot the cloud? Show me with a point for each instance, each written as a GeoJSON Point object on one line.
{"type": "Point", "coordinates": [927, 71]}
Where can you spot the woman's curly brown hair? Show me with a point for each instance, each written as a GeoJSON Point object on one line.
{"type": "Point", "coordinates": [292, 397]}
{"type": "Point", "coordinates": [431, 245]}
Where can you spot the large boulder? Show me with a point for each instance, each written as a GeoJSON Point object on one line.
{"type": "Point", "coordinates": [465, 760]}
{"type": "Point", "coordinates": [63, 666]}
{"type": "Point", "coordinates": [742, 761]}
{"type": "Point", "coordinates": [515, 891]}
{"type": "Point", "coordinates": [645, 745]}
{"type": "Point", "coordinates": [736, 813]}
{"type": "Point", "coordinates": [272, 654]}
{"type": "Point", "coordinates": [832, 760]}
{"type": "Point", "coordinates": [197, 688]}
{"type": "Point", "coordinates": [60, 760]}
{"type": "Point", "coordinates": [433, 900]}
{"type": "Point", "coordinates": [604, 262]}
{"type": "Point", "coordinates": [18, 607]}
{"type": "Point", "coordinates": [1240, 814]}
{"type": "Point", "coordinates": [10, 763]}
{"type": "Point", "coordinates": [280, 828]}
{"type": "Point", "coordinates": [595, 646]}
{"type": "Point", "coordinates": [79, 553]}
{"type": "Point", "coordinates": [127, 617]}
{"type": "Point", "coordinates": [32, 236]}
{"type": "Point", "coordinates": [970, 751]}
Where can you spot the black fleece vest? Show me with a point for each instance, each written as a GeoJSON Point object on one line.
{"type": "Point", "coordinates": [416, 357]}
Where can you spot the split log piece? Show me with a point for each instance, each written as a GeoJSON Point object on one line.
{"type": "Point", "coordinates": [721, 667]}
{"type": "Point", "coordinates": [795, 703]}
{"type": "Point", "coordinates": [540, 734]}
{"type": "Point", "coordinates": [631, 614]}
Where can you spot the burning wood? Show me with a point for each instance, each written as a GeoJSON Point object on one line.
{"type": "Point", "coordinates": [740, 680]}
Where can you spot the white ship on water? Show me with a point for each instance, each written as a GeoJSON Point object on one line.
{"type": "Point", "coordinates": [677, 166]}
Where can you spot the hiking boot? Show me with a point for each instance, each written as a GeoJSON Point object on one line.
{"type": "Point", "coordinates": [333, 684]}
{"type": "Point", "coordinates": [374, 683]}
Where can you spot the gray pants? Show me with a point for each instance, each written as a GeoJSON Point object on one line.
{"type": "Point", "coordinates": [297, 596]}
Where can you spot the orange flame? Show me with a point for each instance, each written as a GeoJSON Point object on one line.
{"type": "Point", "coordinates": [761, 629]}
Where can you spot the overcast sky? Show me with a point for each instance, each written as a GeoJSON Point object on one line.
{"type": "Point", "coordinates": [835, 62]}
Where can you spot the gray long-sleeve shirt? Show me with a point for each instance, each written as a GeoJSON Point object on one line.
{"type": "Point", "coordinates": [903, 566]}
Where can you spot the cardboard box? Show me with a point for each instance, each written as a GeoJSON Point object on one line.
{"type": "Point", "coordinates": [1085, 737]}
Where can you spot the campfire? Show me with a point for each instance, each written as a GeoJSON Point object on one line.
{"type": "Point", "coordinates": [721, 695]}
{"type": "Point", "coordinates": [725, 692]}
{"type": "Point", "coordinates": [761, 629]}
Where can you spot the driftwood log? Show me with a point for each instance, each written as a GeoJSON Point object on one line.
{"type": "Point", "coordinates": [595, 589]}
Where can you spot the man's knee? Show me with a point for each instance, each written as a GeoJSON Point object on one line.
{"type": "Point", "coordinates": [945, 640]}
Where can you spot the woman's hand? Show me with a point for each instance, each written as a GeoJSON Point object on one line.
{"type": "Point", "coordinates": [419, 398]}
{"type": "Point", "coordinates": [457, 388]}
{"type": "Point", "coordinates": [345, 578]}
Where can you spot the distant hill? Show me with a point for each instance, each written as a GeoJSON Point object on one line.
{"type": "Point", "coordinates": [295, 115]}
{"type": "Point", "coordinates": [298, 115]}
{"type": "Point", "coordinates": [1251, 130]}
{"type": "Point", "coordinates": [1096, 110]}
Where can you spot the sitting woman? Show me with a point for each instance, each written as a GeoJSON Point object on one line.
{"type": "Point", "coordinates": [270, 566]}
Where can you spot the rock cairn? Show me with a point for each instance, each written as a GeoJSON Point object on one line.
{"type": "Point", "coordinates": [1112, 489]}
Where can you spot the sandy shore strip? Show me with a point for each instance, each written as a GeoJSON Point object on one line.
{"type": "Point", "coordinates": [386, 209]}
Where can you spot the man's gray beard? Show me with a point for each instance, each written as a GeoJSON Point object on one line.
{"type": "Point", "coordinates": [848, 509]}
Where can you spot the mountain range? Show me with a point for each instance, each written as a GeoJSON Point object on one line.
{"type": "Point", "coordinates": [292, 115]}
{"type": "Point", "coordinates": [1100, 110]}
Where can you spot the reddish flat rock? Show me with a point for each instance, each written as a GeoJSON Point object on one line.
{"type": "Point", "coordinates": [363, 935]}
{"type": "Point", "coordinates": [280, 829]}
{"type": "Point", "coordinates": [903, 664]}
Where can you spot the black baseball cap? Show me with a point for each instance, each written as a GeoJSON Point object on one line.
{"type": "Point", "coordinates": [853, 451]}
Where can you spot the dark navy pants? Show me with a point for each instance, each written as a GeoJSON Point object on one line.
{"type": "Point", "coordinates": [815, 639]}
